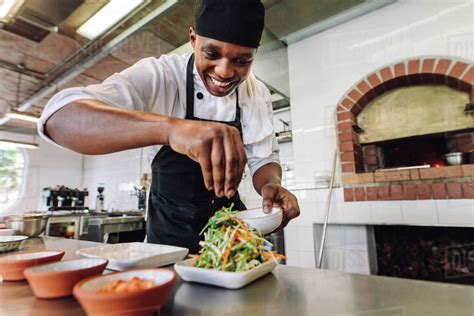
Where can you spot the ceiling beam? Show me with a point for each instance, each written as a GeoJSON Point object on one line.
{"type": "Point", "coordinates": [91, 60]}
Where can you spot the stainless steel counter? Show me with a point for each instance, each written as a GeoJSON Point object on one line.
{"type": "Point", "coordinates": [287, 291]}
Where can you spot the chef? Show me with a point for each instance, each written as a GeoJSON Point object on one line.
{"type": "Point", "coordinates": [204, 117]}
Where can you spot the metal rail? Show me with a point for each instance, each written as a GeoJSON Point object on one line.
{"type": "Point", "coordinates": [328, 208]}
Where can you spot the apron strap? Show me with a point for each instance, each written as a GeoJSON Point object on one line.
{"type": "Point", "coordinates": [190, 88]}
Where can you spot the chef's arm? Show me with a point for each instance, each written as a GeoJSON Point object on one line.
{"type": "Point", "coordinates": [268, 173]}
{"type": "Point", "coordinates": [267, 182]}
{"type": "Point", "coordinates": [92, 127]}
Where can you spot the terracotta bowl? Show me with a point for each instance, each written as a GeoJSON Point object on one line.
{"type": "Point", "coordinates": [12, 266]}
{"type": "Point", "coordinates": [138, 303]}
{"type": "Point", "coordinates": [57, 279]}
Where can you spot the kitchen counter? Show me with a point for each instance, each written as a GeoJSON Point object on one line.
{"type": "Point", "coordinates": [287, 291]}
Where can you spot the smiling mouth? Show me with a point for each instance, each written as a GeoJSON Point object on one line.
{"type": "Point", "coordinates": [220, 86]}
{"type": "Point", "coordinates": [220, 83]}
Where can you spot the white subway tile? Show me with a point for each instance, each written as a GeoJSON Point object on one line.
{"type": "Point", "coordinates": [355, 212]}
{"type": "Point", "coordinates": [306, 259]}
{"type": "Point", "coordinates": [292, 258]}
{"type": "Point", "coordinates": [389, 212]}
{"type": "Point", "coordinates": [291, 238]}
{"type": "Point", "coordinates": [456, 212]}
{"type": "Point", "coordinates": [305, 239]}
{"type": "Point", "coordinates": [420, 212]}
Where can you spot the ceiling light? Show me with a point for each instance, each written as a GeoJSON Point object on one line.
{"type": "Point", "coordinates": [13, 114]}
{"type": "Point", "coordinates": [19, 144]}
{"type": "Point", "coordinates": [108, 16]}
{"type": "Point", "coordinates": [8, 9]}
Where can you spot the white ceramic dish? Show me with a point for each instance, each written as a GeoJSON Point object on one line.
{"type": "Point", "coordinates": [264, 222]}
{"type": "Point", "coordinates": [6, 232]}
{"type": "Point", "coordinates": [135, 255]}
{"type": "Point", "coordinates": [9, 243]}
{"type": "Point", "coordinates": [230, 280]}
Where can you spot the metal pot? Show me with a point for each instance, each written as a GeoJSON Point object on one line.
{"type": "Point", "coordinates": [31, 225]}
{"type": "Point", "coordinates": [455, 158]}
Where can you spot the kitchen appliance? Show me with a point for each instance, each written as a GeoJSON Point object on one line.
{"type": "Point", "coordinates": [140, 193]}
{"type": "Point", "coordinates": [64, 198]}
{"type": "Point", "coordinates": [64, 226]}
{"type": "Point", "coordinates": [31, 225]}
{"type": "Point", "coordinates": [99, 202]}
{"type": "Point", "coordinates": [115, 229]}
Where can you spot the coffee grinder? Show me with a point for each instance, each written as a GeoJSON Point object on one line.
{"type": "Point", "coordinates": [99, 202]}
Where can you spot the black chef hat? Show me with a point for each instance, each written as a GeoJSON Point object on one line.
{"type": "Point", "coordinates": [238, 22]}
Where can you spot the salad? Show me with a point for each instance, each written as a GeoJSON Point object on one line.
{"type": "Point", "coordinates": [231, 245]}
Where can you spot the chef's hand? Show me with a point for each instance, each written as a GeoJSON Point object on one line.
{"type": "Point", "coordinates": [216, 147]}
{"type": "Point", "coordinates": [276, 195]}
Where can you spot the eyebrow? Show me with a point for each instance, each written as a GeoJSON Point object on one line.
{"type": "Point", "coordinates": [214, 47]}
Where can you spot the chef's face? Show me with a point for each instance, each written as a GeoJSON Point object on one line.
{"type": "Point", "coordinates": [222, 66]}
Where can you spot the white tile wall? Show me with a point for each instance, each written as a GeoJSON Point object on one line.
{"type": "Point", "coordinates": [339, 58]}
{"type": "Point", "coordinates": [346, 248]}
{"type": "Point", "coordinates": [420, 212]}
{"type": "Point", "coordinates": [306, 259]}
{"type": "Point", "coordinates": [46, 166]}
{"type": "Point", "coordinates": [455, 212]}
{"type": "Point", "coordinates": [119, 172]}
{"type": "Point", "coordinates": [388, 212]}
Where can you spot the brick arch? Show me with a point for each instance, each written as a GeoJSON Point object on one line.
{"type": "Point", "coordinates": [456, 73]}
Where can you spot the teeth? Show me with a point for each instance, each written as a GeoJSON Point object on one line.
{"type": "Point", "coordinates": [219, 83]}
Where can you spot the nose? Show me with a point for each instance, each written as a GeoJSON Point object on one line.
{"type": "Point", "coordinates": [224, 69]}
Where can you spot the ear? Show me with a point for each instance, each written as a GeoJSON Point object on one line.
{"type": "Point", "coordinates": [192, 37]}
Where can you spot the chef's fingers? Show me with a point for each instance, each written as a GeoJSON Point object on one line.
{"type": "Point", "coordinates": [206, 166]}
{"type": "Point", "coordinates": [235, 162]}
{"type": "Point", "coordinates": [269, 195]}
{"type": "Point", "coordinates": [242, 156]}
{"type": "Point", "coordinates": [231, 165]}
{"type": "Point", "coordinates": [218, 166]}
{"type": "Point", "coordinates": [290, 207]}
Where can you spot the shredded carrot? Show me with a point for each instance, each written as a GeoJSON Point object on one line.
{"type": "Point", "coordinates": [229, 249]}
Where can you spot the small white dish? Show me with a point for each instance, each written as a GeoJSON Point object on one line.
{"type": "Point", "coordinates": [264, 222]}
{"type": "Point", "coordinates": [9, 243]}
{"type": "Point", "coordinates": [226, 279]}
{"type": "Point", "coordinates": [6, 232]}
{"type": "Point", "coordinates": [135, 255]}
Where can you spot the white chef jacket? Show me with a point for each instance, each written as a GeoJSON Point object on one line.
{"type": "Point", "coordinates": [158, 85]}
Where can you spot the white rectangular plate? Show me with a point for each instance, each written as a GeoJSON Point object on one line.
{"type": "Point", "coordinates": [135, 255]}
{"type": "Point", "coordinates": [230, 280]}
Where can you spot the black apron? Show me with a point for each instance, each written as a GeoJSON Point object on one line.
{"type": "Point", "coordinates": [179, 205]}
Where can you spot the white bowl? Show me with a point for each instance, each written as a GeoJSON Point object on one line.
{"type": "Point", "coordinates": [8, 243]}
{"type": "Point", "coordinates": [264, 222]}
{"type": "Point", "coordinates": [6, 232]}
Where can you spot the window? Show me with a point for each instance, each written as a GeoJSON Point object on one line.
{"type": "Point", "coordinates": [12, 172]}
